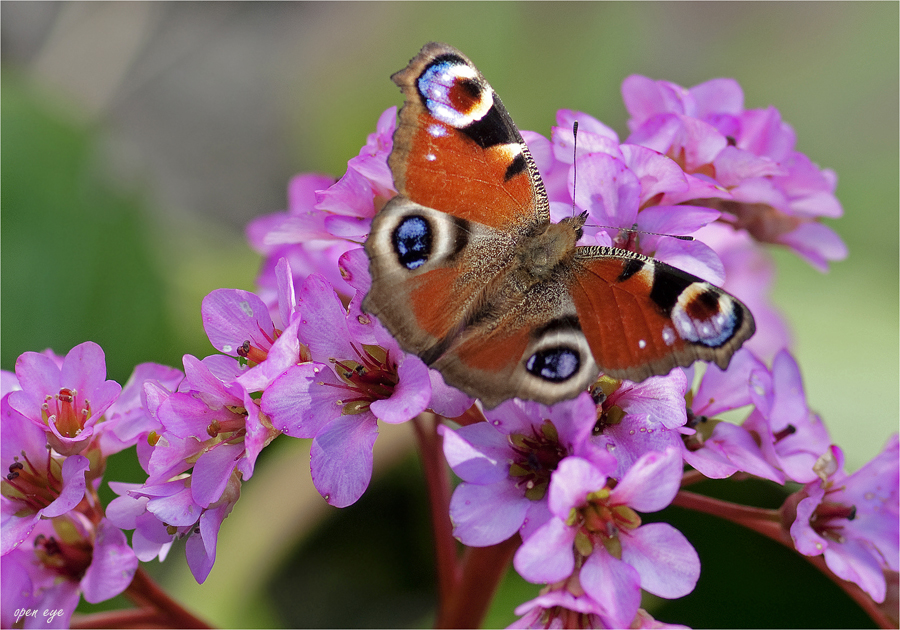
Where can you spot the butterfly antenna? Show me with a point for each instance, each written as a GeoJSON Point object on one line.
{"type": "Point", "coordinates": [574, 168]}
{"type": "Point", "coordinates": [680, 237]}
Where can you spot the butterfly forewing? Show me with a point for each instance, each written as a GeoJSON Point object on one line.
{"type": "Point", "coordinates": [457, 150]}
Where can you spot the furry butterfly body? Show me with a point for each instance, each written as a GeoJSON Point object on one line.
{"type": "Point", "coordinates": [469, 273]}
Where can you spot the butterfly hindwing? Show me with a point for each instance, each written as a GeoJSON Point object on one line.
{"type": "Point", "coordinates": [429, 270]}
{"type": "Point", "coordinates": [643, 317]}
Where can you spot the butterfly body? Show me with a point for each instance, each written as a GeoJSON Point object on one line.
{"type": "Point", "coordinates": [469, 273]}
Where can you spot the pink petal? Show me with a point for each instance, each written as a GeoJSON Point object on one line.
{"type": "Point", "coordinates": [324, 327]}
{"type": "Point", "coordinates": [233, 316]}
{"type": "Point", "coordinates": [303, 400]}
{"type": "Point", "coordinates": [570, 483]}
{"type": "Point", "coordinates": [411, 394]}
{"type": "Point", "coordinates": [694, 257]}
{"type": "Point", "coordinates": [657, 173]}
{"type": "Point", "coordinates": [546, 556]}
{"type": "Point", "coordinates": [651, 484]}
{"type": "Point", "coordinates": [645, 97]}
{"type": "Point", "coordinates": [477, 453]}
{"type": "Point", "coordinates": [199, 561]}
{"type": "Point", "coordinates": [484, 515]}
{"type": "Point", "coordinates": [341, 458]}
{"type": "Point", "coordinates": [667, 562]}
{"type": "Point", "coordinates": [212, 471]}
{"type": "Point", "coordinates": [112, 566]}
{"type": "Point", "coordinates": [38, 376]}
{"type": "Point", "coordinates": [74, 485]}
{"type": "Point", "coordinates": [729, 389]}
{"type": "Point", "coordinates": [614, 584]}
{"type": "Point", "coordinates": [855, 561]}
{"type": "Point", "coordinates": [301, 193]}
{"type": "Point", "coordinates": [607, 189]}
{"type": "Point", "coordinates": [717, 96]}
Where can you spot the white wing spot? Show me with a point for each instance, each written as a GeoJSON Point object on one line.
{"type": "Point", "coordinates": [668, 336]}
{"type": "Point", "coordinates": [248, 310]}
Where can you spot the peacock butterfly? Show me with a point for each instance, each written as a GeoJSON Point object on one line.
{"type": "Point", "coordinates": [469, 273]}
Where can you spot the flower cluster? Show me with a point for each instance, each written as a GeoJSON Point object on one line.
{"type": "Point", "coordinates": [301, 359]}
{"type": "Point", "coordinates": [61, 419]}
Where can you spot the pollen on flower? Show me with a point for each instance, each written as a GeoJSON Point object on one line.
{"type": "Point", "coordinates": [537, 456]}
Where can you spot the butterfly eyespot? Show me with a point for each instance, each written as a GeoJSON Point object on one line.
{"type": "Point", "coordinates": [700, 316]}
{"type": "Point", "coordinates": [452, 92]}
{"type": "Point", "coordinates": [412, 240]}
{"type": "Point", "coordinates": [554, 364]}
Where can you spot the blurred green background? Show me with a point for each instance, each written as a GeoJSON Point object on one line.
{"type": "Point", "coordinates": [139, 138]}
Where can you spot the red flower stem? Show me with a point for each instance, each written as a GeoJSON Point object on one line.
{"type": "Point", "coordinates": [768, 523]}
{"type": "Point", "coordinates": [147, 594]}
{"type": "Point", "coordinates": [438, 482]}
{"type": "Point", "coordinates": [690, 477]}
{"type": "Point", "coordinates": [483, 568]}
{"type": "Point", "coordinates": [130, 618]}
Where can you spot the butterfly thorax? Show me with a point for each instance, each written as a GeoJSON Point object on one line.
{"type": "Point", "coordinates": [541, 254]}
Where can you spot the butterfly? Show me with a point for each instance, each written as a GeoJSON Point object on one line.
{"type": "Point", "coordinates": [469, 274]}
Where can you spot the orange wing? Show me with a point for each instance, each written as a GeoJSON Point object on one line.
{"type": "Point", "coordinates": [642, 317]}
{"type": "Point", "coordinates": [457, 150]}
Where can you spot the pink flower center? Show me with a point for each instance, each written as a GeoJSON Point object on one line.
{"type": "Point", "coordinates": [70, 560]}
{"type": "Point", "coordinates": [600, 521]}
{"type": "Point", "coordinates": [66, 412]}
{"type": "Point", "coordinates": [535, 458]}
{"type": "Point", "coordinates": [372, 378]}
{"type": "Point", "coordinates": [827, 519]}
{"type": "Point", "coordinates": [606, 394]}
{"type": "Point", "coordinates": [31, 486]}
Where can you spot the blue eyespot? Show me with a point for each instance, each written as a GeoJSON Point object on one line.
{"type": "Point", "coordinates": [412, 241]}
{"type": "Point", "coordinates": [554, 364]}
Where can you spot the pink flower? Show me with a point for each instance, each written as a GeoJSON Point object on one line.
{"type": "Point", "coordinates": [65, 401]}
{"type": "Point", "coordinates": [39, 484]}
{"type": "Point", "coordinates": [598, 529]}
{"type": "Point", "coordinates": [127, 420]}
{"type": "Point", "coordinates": [165, 512]}
{"type": "Point", "coordinates": [777, 194]}
{"type": "Point", "coordinates": [239, 324]}
{"type": "Point", "coordinates": [57, 565]}
{"type": "Point", "coordinates": [792, 437]}
{"type": "Point", "coordinates": [566, 605]}
{"type": "Point", "coordinates": [506, 463]}
{"type": "Point", "coordinates": [853, 519]}
{"type": "Point", "coordinates": [212, 425]}
{"type": "Point", "coordinates": [636, 418]}
{"type": "Point", "coordinates": [356, 376]}
{"type": "Point", "coordinates": [718, 449]}
{"type": "Point", "coordinates": [621, 186]}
